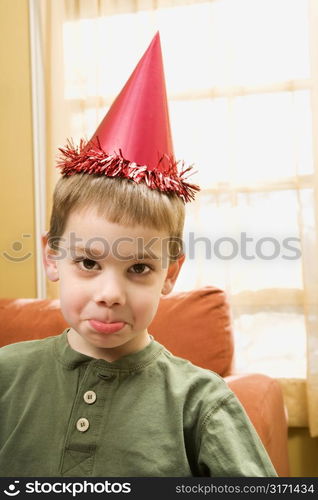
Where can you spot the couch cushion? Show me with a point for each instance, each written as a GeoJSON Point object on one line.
{"type": "Point", "coordinates": [29, 319]}
{"type": "Point", "coordinates": [194, 325]}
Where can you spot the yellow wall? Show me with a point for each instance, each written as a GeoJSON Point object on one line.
{"type": "Point", "coordinates": [303, 453]}
{"type": "Point", "coordinates": [17, 279]}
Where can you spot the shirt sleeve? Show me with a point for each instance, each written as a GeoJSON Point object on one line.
{"type": "Point", "coordinates": [229, 445]}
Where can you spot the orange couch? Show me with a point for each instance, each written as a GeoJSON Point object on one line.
{"type": "Point", "coordinates": [195, 325]}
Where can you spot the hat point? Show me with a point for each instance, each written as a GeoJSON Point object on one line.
{"type": "Point", "coordinates": [137, 124]}
{"type": "Point", "coordinates": [134, 138]}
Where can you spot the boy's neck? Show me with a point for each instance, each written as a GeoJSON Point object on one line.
{"type": "Point", "coordinates": [77, 343]}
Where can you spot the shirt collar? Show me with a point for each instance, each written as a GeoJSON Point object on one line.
{"type": "Point", "coordinates": [71, 359]}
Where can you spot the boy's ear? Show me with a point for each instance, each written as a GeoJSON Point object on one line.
{"type": "Point", "coordinates": [172, 274]}
{"type": "Point", "coordinates": [49, 259]}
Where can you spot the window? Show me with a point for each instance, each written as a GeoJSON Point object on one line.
{"type": "Point", "coordinates": [239, 85]}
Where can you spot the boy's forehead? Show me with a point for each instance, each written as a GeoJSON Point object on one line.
{"type": "Point", "coordinates": [89, 231]}
{"type": "Point", "coordinates": [88, 221]}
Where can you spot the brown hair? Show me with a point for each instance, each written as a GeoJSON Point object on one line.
{"type": "Point", "coordinates": [120, 201]}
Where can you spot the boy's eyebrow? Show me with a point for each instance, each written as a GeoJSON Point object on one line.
{"type": "Point", "coordinates": [99, 253]}
{"type": "Point", "coordinates": [87, 250]}
{"type": "Point", "coordinates": [146, 255]}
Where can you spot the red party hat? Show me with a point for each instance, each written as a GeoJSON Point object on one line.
{"type": "Point", "coordinates": [134, 139]}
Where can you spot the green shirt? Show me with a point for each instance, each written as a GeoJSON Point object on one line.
{"type": "Point", "coordinates": [63, 413]}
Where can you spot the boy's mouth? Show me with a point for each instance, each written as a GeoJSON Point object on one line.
{"type": "Point", "coordinates": [102, 327]}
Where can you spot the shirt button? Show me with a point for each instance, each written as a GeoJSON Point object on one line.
{"type": "Point", "coordinates": [90, 397]}
{"type": "Point", "coordinates": [82, 424]}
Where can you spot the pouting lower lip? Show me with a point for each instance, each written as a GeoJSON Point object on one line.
{"type": "Point", "coordinates": [103, 327]}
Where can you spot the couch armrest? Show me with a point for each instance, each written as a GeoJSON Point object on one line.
{"type": "Point", "coordinates": [262, 399]}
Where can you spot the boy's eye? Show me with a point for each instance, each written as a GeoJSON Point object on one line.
{"type": "Point", "coordinates": [87, 264]}
{"type": "Point", "coordinates": [139, 269]}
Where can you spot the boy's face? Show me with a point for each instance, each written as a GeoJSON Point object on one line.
{"type": "Point", "coordinates": [109, 291]}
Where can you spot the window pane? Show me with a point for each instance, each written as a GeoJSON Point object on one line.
{"type": "Point", "coordinates": [270, 40]}
{"type": "Point", "coordinates": [303, 132]}
{"type": "Point", "coordinates": [271, 343]}
{"type": "Point", "coordinates": [263, 137]}
{"type": "Point", "coordinates": [242, 42]}
{"type": "Point", "coordinates": [246, 42]}
{"type": "Point", "coordinates": [201, 136]}
{"type": "Point", "coordinates": [272, 136]}
{"type": "Point", "coordinates": [249, 245]}
{"type": "Point", "coordinates": [84, 122]}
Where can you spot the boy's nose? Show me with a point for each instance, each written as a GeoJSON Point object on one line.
{"type": "Point", "coordinates": [110, 292]}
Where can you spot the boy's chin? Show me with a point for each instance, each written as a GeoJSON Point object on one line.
{"type": "Point", "coordinates": [95, 344]}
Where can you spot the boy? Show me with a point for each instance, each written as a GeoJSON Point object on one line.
{"type": "Point", "coordinates": [104, 398]}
